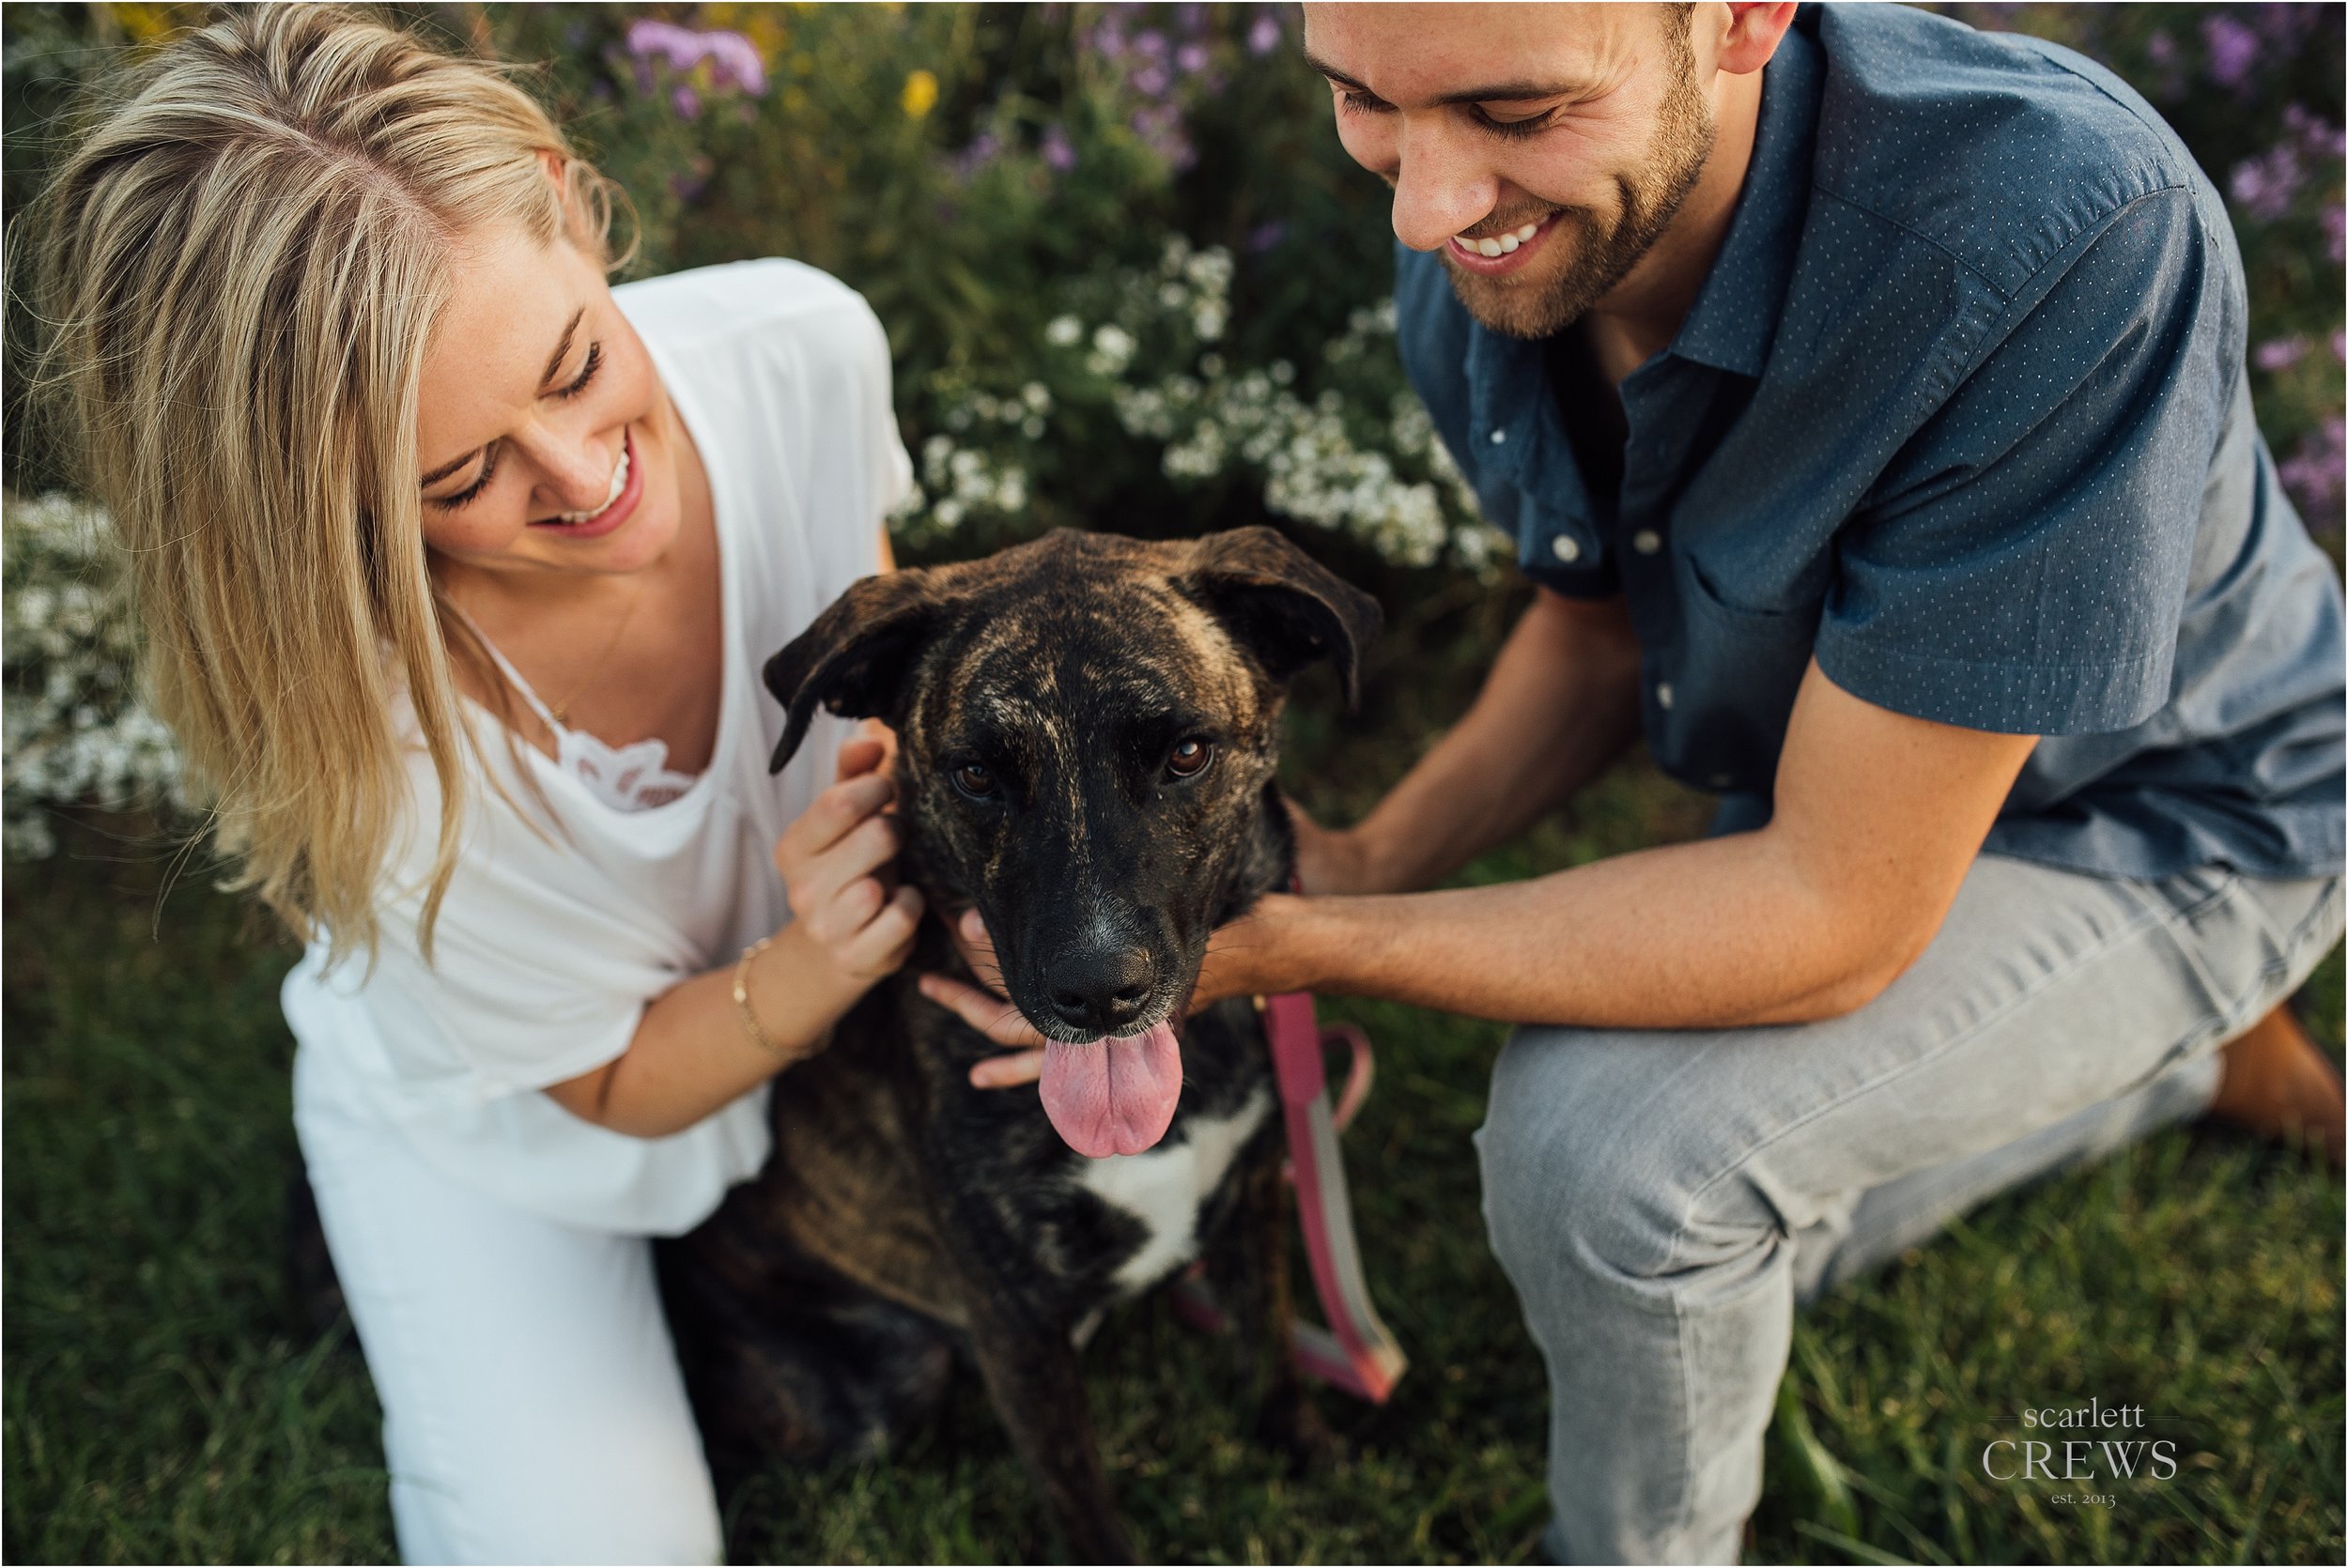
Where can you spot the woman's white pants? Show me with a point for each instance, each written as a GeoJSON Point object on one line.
{"type": "Point", "coordinates": [532, 1408]}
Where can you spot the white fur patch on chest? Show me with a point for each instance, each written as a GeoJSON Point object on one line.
{"type": "Point", "coordinates": [1164, 1186]}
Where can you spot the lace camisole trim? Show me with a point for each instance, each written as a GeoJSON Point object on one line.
{"type": "Point", "coordinates": [631, 777]}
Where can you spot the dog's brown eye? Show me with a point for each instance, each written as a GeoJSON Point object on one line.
{"type": "Point", "coordinates": [975, 778]}
{"type": "Point", "coordinates": [1189, 759]}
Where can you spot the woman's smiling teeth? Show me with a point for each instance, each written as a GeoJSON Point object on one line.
{"type": "Point", "coordinates": [1500, 246]}
{"type": "Point", "coordinates": [618, 482]}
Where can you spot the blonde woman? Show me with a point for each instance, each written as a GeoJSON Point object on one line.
{"type": "Point", "coordinates": [454, 564]}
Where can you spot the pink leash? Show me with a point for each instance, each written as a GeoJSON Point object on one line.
{"type": "Point", "coordinates": [1356, 1352]}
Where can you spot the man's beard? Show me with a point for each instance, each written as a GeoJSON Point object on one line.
{"type": "Point", "coordinates": [1598, 258]}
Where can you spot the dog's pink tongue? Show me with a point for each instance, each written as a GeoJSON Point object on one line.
{"type": "Point", "coordinates": [1113, 1096]}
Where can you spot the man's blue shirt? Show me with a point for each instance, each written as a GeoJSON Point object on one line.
{"type": "Point", "coordinates": [1960, 411]}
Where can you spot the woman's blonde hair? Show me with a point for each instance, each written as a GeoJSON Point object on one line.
{"type": "Point", "coordinates": [241, 266]}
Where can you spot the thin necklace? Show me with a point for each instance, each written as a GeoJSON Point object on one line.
{"type": "Point", "coordinates": [562, 710]}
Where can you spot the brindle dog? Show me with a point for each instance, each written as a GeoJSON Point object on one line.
{"type": "Point", "coordinates": [1087, 731]}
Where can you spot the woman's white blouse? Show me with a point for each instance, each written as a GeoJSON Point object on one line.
{"type": "Point", "coordinates": [555, 936]}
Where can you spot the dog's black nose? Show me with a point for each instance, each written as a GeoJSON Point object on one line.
{"type": "Point", "coordinates": [1100, 988]}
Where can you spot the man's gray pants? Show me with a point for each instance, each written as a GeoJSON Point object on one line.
{"type": "Point", "coordinates": [1662, 1198]}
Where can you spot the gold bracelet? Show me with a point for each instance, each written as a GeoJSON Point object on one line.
{"type": "Point", "coordinates": [751, 1026]}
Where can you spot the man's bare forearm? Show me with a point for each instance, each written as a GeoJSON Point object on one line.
{"type": "Point", "coordinates": [1560, 704]}
{"type": "Point", "coordinates": [1718, 933]}
{"type": "Point", "coordinates": [1878, 817]}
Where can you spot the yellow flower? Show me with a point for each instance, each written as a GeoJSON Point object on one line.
{"type": "Point", "coordinates": [921, 94]}
{"type": "Point", "coordinates": [144, 24]}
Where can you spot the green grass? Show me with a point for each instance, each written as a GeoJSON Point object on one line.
{"type": "Point", "coordinates": [162, 1403]}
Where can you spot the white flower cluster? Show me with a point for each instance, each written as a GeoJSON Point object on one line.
{"type": "Point", "coordinates": [75, 727]}
{"type": "Point", "coordinates": [966, 478]}
{"type": "Point", "coordinates": [963, 473]}
{"type": "Point", "coordinates": [1359, 457]}
{"type": "Point", "coordinates": [1314, 468]}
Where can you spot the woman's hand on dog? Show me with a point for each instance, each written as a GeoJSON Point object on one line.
{"type": "Point", "coordinates": [834, 862]}
{"type": "Point", "coordinates": [985, 1008]}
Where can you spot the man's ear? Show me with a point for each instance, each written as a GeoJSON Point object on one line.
{"type": "Point", "coordinates": [853, 658]}
{"type": "Point", "coordinates": [1754, 31]}
{"type": "Point", "coordinates": [1282, 605]}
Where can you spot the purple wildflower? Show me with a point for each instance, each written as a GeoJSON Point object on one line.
{"type": "Point", "coordinates": [733, 60]}
{"type": "Point", "coordinates": [2333, 239]}
{"type": "Point", "coordinates": [2318, 137]}
{"type": "Point", "coordinates": [2339, 343]}
{"type": "Point", "coordinates": [2283, 23]}
{"type": "Point", "coordinates": [736, 61]}
{"type": "Point", "coordinates": [1192, 18]}
{"type": "Point", "coordinates": [1152, 79]}
{"type": "Point", "coordinates": [1263, 236]}
{"type": "Point", "coordinates": [2233, 49]}
{"type": "Point", "coordinates": [1150, 45]}
{"type": "Point", "coordinates": [1058, 150]}
{"type": "Point", "coordinates": [1109, 38]}
{"type": "Point", "coordinates": [685, 102]}
{"type": "Point", "coordinates": [1191, 58]}
{"type": "Point", "coordinates": [1263, 33]}
{"type": "Point", "coordinates": [2263, 186]}
{"type": "Point", "coordinates": [2313, 473]}
{"type": "Point", "coordinates": [2168, 66]}
{"type": "Point", "coordinates": [1160, 126]}
{"type": "Point", "coordinates": [984, 149]}
{"type": "Point", "coordinates": [2278, 354]}
{"type": "Point", "coordinates": [648, 37]}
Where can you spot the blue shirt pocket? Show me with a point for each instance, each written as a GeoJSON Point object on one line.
{"type": "Point", "coordinates": [1716, 712]}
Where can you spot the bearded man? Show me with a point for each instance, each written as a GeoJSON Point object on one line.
{"type": "Point", "coordinates": [1866, 398]}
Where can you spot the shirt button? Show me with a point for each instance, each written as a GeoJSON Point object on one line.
{"type": "Point", "coordinates": [1564, 548]}
{"type": "Point", "coordinates": [1499, 435]}
{"type": "Point", "coordinates": [1646, 541]}
{"type": "Point", "coordinates": [1663, 695]}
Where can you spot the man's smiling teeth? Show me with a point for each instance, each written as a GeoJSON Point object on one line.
{"type": "Point", "coordinates": [618, 482]}
{"type": "Point", "coordinates": [1500, 246]}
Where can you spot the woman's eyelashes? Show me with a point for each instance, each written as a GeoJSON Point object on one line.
{"type": "Point", "coordinates": [488, 467]}
{"type": "Point", "coordinates": [578, 384]}
{"type": "Point", "coordinates": [586, 373]}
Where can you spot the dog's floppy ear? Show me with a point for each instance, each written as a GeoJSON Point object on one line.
{"type": "Point", "coordinates": [1283, 605]}
{"type": "Point", "coordinates": [851, 659]}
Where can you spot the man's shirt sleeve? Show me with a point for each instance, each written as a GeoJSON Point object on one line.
{"type": "Point", "coordinates": [2022, 563]}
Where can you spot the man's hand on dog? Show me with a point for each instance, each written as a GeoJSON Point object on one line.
{"type": "Point", "coordinates": [985, 1008]}
{"type": "Point", "coordinates": [835, 865]}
